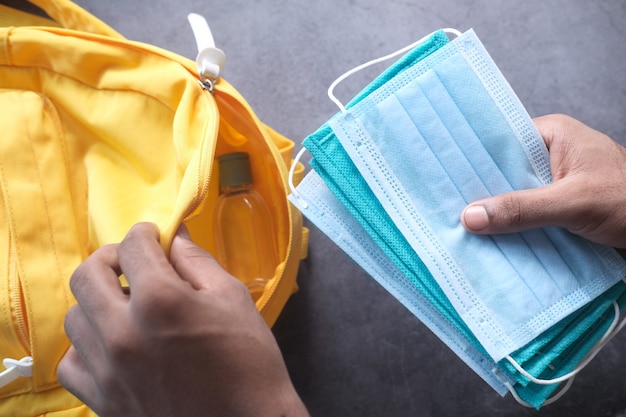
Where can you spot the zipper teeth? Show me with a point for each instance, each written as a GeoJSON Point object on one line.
{"type": "Point", "coordinates": [20, 317]}
{"type": "Point", "coordinates": [203, 190]}
{"type": "Point", "coordinates": [17, 302]}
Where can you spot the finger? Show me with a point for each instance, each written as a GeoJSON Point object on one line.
{"type": "Point", "coordinates": [86, 367]}
{"type": "Point", "coordinates": [193, 264]}
{"type": "Point", "coordinates": [555, 127]}
{"type": "Point", "coordinates": [141, 257]}
{"type": "Point", "coordinates": [548, 127]}
{"type": "Point", "coordinates": [563, 131]}
{"type": "Point", "coordinates": [84, 335]}
{"type": "Point", "coordinates": [75, 376]}
{"type": "Point", "coordinates": [522, 210]}
{"type": "Point", "coordinates": [95, 283]}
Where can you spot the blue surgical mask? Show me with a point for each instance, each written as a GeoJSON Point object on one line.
{"type": "Point", "coordinates": [564, 351]}
{"type": "Point", "coordinates": [445, 133]}
{"type": "Point", "coordinates": [341, 175]}
{"type": "Point", "coordinates": [398, 132]}
{"type": "Point", "coordinates": [332, 217]}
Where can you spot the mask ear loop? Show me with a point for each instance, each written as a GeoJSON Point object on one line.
{"type": "Point", "coordinates": [331, 89]}
{"type": "Point", "coordinates": [335, 100]}
{"type": "Point", "coordinates": [292, 170]}
{"type": "Point", "coordinates": [612, 331]}
{"type": "Point", "coordinates": [549, 401]}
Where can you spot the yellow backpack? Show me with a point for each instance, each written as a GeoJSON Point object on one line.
{"type": "Point", "coordinates": [98, 133]}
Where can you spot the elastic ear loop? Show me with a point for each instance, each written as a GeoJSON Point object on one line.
{"type": "Point", "coordinates": [292, 187]}
{"type": "Point", "coordinates": [612, 331]}
{"type": "Point", "coordinates": [335, 100]}
{"type": "Point", "coordinates": [331, 89]}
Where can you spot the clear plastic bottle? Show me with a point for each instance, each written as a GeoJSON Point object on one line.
{"type": "Point", "coordinates": [244, 235]}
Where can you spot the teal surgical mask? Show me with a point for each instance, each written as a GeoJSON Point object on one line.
{"type": "Point", "coordinates": [554, 358]}
{"type": "Point", "coordinates": [448, 132]}
{"type": "Point", "coordinates": [335, 220]}
{"type": "Point", "coordinates": [439, 129]}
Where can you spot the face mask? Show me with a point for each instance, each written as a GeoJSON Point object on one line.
{"type": "Point", "coordinates": [343, 178]}
{"type": "Point", "coordinates": [329, 161]}
{"type": "Point", "coordinates": [450, 131]}
{"type": "Point", "coordinates": [561, 351]}
{"type": "Point", "coordinates": [333, 218]}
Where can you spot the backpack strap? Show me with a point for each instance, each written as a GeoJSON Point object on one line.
{"type": "Point", "coordinates": [62, 13]}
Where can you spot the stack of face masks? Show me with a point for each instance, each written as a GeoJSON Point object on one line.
{"type": "Point", "coordinates": [392, 172]}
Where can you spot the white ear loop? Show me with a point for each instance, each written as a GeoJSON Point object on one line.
{"type": "Point", "coordinates": [292, 170]}
{"type": "Point", "coordinates": [331, 95]}
{"type": "Point", "coordinates": [549, 401]}
{"type": "Point", "coordinates": [331, 89]}
{"type": "Point", "coordinates": [612, 331]}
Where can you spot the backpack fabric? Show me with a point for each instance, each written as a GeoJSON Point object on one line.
{"type": "Point", "coordinates": [99, 133]}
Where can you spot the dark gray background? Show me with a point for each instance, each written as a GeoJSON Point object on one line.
{"type": "Point", "coordinates": [352, 350]}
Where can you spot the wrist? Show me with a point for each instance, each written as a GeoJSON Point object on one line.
{"type": "Point", "coordinates": [287, 403]}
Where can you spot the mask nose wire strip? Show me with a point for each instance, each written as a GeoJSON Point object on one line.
{"type": "Point", "coordinates": [331, 89]}
{"type": "Point", "coordinates": [292, 170]}
{"type": "Point", "coordinates": [611, 332]}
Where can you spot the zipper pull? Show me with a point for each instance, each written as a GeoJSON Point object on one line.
{"type": "Point", "coordinates": [16, 369]}
{"type": "Point", "coordinates": [210, 60]}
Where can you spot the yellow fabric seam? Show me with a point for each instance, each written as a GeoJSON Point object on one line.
{"type": "Point", "coordinates": [111, 90]}
{"type": "Point", "coordinates": [8, 47]}
{"type": "Point", "coordinates": [61, 138]}
{"type": "Point", "coordinates": [11, 221]}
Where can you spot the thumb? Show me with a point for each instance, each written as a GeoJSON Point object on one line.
{"type": "Point", "coordinates": [192, 263]}
{"type": "Point", "coordinates": [520, 210]}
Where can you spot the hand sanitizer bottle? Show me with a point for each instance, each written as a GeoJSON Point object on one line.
{"type": "Point", "coordinates": [244, 235]}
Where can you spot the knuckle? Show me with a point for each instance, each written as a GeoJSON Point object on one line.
{"type": "Point", "coordinates": [165, 308]}
{"type": "Point", "coordinates": [121, 349]}
{"type": "Point", "coordinates": [90, 267]}
{"type": "Point", "coordinates": [70, 320]}
{"type": "Point", "coordinates": [511, 212]}
{"type": "Point", "coordinates": [63, 370]}
{"type": "Point", "coordinates": [193, 256]}
{"type": "Point", "coordinates": [238, 288]}
{"type": "Point", "coordinates": [78, 276]}
{"type": "Point", "coordinates": [139, 232]}
{"type": "Point", "coordinates": [151, 301]}
{"type": "Point", "coordinates": [230, 287]}
{"type": "Point", "coordinates": [562, 119]}
{"type": "Point", "coordinates": [75, 279]}
{"type": "Point", "coordinates": [118, 351]}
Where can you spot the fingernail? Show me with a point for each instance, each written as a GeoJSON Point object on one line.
{"type": "Point", "coordinates": [183, 231]}
{"type": "Point", "coordinates": [476, 217]}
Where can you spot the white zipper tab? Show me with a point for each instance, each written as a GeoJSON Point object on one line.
{"type": "Point", "coordinates": [16, 369]}
{"type": "Point", "coordinates": [210, 60]}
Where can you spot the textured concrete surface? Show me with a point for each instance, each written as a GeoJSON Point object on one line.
{"type": "Point", "coordinates": [353, 350]}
